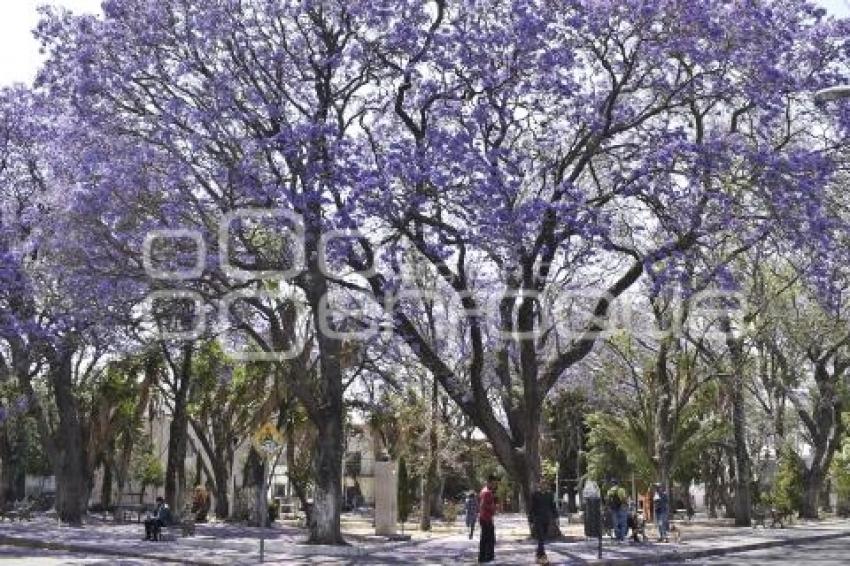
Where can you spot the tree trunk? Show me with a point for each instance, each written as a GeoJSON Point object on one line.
{"type": "Point", "coordinates": [325, 405]}
{"type": "Point", "coordinates": [106, 485]}
{"type": "Point", "coordinates": [742, 461]}
{"type": "Point", "coordinates": [429, 485]}
{"type": "Point", "coordinates": [327, 467]}
{"type": "Point", "coordinates": [175, 471]}
{"type": "Point", "coordinates": [221, 476]}
{"type": "Point", "coordinates": [425, 498]}
{"type": "Point", "coordinates": [811, 494]}
{"type": "Point", "coordinates": [253, 474]}
{"type": "Point", "coordinates": [295, 481]}
{"type": "Point", "coordinates": [727, 489]}
{"type": "Point", "coordinates": [71, 478]}
{"type": "Point", "coordinates": [6, 470]}
{"type": "Point", "coordinates": [10, 463]}
{"type": "Point", "coordinates": [743, 472]}
{"type": "Point", "coordinates": [826, 427]}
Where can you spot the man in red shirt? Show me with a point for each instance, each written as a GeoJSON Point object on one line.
{"type": "Point", "coordinates": [486, 512]}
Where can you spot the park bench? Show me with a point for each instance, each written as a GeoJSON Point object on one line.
{"type": "Point", "coordinates": [124, 513]}
{"type": "Point", "coordinates": [185, 527]}
{"type": "Point", "coordinates": [777, 517]}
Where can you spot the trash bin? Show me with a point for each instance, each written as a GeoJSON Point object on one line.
{"type": "Point", "coordinates": [593, 517]}
{"type": "Point", "coordinates": [593, 514]}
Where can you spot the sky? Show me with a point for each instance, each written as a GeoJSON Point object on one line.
{"type": "Point", "coordinates": [20, 50]}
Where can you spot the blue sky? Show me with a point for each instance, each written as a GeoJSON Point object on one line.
{"type": "Point", "coordinates": [21, 57]}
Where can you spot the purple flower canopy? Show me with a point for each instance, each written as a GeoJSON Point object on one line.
{"type": "Point", "coordinates": [538, 141]}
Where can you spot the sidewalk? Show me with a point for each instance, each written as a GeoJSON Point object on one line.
{"type": "Point", "coordinates": [702, 539]}
{"type": "Point", "coordinates": [213, 544]}
{"type": "Point", "coordinates": [698, 540]}
{"type": "Point", "coordinates": [219, 543]}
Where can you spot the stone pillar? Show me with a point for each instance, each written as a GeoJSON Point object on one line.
{"type": "Point", "coordinates": [386, 498]}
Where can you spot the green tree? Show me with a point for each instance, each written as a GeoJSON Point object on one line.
{"type": "Point", "coordinates": [405, 497]}
{"type": "Point", "coordinates": [787, 493]}
{"type": "Point", "coordinates": [147, 469]}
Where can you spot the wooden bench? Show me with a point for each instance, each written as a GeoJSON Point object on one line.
{"type": "Point", "coordinates": [185, 527]}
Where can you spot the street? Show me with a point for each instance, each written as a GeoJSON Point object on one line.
{"type": "Point", "coordinates": [823, 553]}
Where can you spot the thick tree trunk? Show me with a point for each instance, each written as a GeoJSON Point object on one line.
{"type": "Point", "coordinates": [72, 479]}
{"type": "Point", "coordinates": [178, 435]}
{"type": "Point", "coordinates": [253, 474]}
{"type": "Point", "coordinates": [826, 427]}
{"type": "Point", "coordinates": [325, 406]}
{"type": "Point", "coordinates": [327, 467]}
{"type": "Point", "coordinates": [814, 480]}
{"type": "Point", "coordinates": [221, 478]}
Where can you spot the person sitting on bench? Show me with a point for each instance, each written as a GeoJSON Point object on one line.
{"type": "Point", "coordinates": [161, 517]}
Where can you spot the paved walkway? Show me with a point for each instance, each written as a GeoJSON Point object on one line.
{"type": "Point", "coordinates": [230, 544]}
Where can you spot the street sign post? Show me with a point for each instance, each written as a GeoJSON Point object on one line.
{"type": "Point", "coordinates": [267, 441]}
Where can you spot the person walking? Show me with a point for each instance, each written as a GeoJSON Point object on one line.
{"type": "Point", "coordinates": [618, 510]}
{"type": "Point", "coordinates": [486, 514]}
{"type": "Point", "coordinates": [661, 507]}
{"type": "Point", "coordinates": [470, 506]}
{"type": "Point", "coordinates": [543, 514]}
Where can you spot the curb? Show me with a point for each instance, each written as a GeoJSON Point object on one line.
{"type": "Point", "coordinates": [85, 549]}
{"type": "Point", "coordinates": [341, 551]}
{"type": "Point", "coordinates": [691, 554]}
{"type": "Point", "coordinates": [296, 551]}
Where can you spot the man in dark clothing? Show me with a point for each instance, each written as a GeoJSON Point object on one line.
{"type": "Point", "coordinates": [543, 514]}
{"type": "Point", "coordinates": [486, 512]}
{"type": "Point", "coordinates": [161, 517]}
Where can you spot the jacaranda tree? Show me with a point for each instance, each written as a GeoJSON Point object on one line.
{"type": "Point", "coordinates": [538, 157]}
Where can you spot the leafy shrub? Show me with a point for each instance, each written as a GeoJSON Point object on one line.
{"type": "Point", "coordinates": [787, 492]}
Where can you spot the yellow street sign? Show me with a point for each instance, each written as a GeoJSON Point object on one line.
{"type": "Point", "coordinates": [267, 440]}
